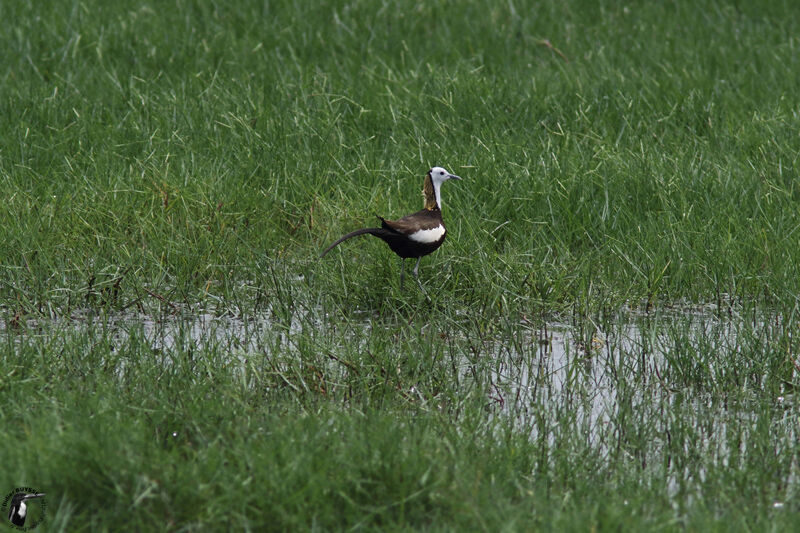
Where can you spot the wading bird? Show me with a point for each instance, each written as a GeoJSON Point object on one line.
{"type": "Point", "coordinates": [18, 509]}
{"type": "Point", "coordinates": [417, 234]}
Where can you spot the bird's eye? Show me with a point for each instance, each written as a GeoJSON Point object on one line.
{"type": "Point", "coordinates": [440, 172]}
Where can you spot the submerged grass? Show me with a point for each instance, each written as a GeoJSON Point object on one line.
{"type": "Point", "coordinates": [174, 158]}
{"type": "Point", "coordinates": [168, 425]}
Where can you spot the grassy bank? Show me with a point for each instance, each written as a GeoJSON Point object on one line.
{"type": "Point", "coordinates": [181, 147]}
{"type": "Point", "coordinates": [184, 157]}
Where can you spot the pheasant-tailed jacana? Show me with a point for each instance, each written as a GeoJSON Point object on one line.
{"type": "Point", "coordinates": [417, 234]}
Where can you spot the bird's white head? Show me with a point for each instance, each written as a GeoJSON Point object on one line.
{"type": "Point", "coordinates": [438, 176]}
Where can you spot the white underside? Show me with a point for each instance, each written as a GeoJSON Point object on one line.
{"type": "Point", "coordinates": [428, 236]}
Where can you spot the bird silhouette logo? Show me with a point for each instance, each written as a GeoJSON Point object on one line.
{"type": "Point", "coordinates": [25, 508]}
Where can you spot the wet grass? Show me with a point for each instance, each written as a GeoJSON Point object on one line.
{"type": "Point", "coordinates": [656, 422]}
{"type": "Point", "coordinates": [184, 158]}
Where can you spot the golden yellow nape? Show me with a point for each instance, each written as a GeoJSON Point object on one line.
{"type": "Point", "coordinates": [429, 193]}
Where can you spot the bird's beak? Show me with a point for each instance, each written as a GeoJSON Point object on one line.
{"type": "Point", "coordinates": [453, 177]}
{"type": "Point", "coordinates": [31, 496]}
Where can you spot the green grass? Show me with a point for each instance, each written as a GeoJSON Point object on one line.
{"type": "Point", "coordinates": [342, 426]}
{"type": "Point", "coordinates": [195, 157]}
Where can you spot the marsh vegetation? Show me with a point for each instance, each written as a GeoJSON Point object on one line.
{"type": "Point", "coordinates": [609, 335]}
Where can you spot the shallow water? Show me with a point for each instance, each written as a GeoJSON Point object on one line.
{"type": "Point", "coordinates": [652, 387]}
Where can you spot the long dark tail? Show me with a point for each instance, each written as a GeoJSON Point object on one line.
{"type": "Point", "coordinates": [378, 232]}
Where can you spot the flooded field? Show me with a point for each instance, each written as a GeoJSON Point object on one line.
{"type": "Point", "coordinates": [680, 404]}
{"type": "Point", "coordinates": [656, 388]}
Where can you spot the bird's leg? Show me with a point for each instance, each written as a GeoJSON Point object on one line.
{"type": "Point", "coordinates": [402, 270]}
{"type": "Point", "coordinates": [416, 275]}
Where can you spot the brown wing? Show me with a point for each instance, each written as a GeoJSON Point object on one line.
{"type": "Point", "coordinates": [424, 219]}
